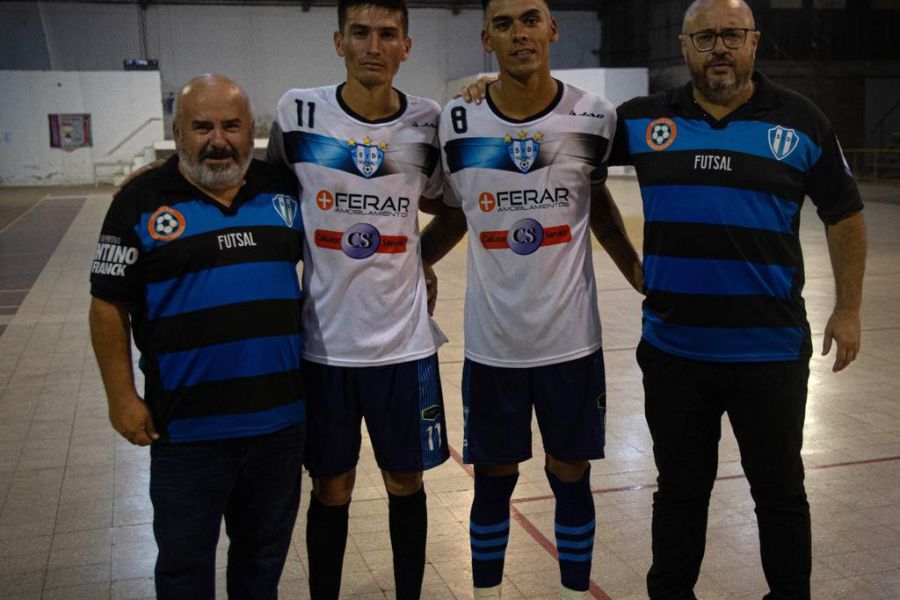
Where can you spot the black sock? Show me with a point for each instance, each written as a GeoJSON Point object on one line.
{"type": "Point", "coordinates": [326, 540]}
{"type": "Point", "coordinates": [408, 517]}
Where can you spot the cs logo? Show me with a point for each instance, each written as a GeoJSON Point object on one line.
{"type": "Point", "coordinates": [360, 241]}
{"type": "Point", "coordinates": [525, 236]}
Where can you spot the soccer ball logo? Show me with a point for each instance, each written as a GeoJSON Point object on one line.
{"type": "Point", "coordinates": [165, 224]}
{"type": "Point", "coordinates": [661, 133]}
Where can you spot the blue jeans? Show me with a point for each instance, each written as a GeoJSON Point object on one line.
{"type": "Point", "coordinates": [254, 482]}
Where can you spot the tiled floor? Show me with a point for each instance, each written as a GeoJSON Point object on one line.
{"type": "Point", "coordinates": [75, 516]}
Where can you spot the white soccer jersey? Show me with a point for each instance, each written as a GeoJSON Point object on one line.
{"type": "Point", "coordinates": [524, 187]}
{"type": "Point", "coordinates": [360, 185]}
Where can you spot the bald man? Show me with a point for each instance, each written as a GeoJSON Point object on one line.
{"type": "Point", "coordinates": [724, 163]}
{"type": "Point", "coordinates": [198, 260]}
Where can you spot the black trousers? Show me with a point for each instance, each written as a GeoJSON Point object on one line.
{"type": "Point", "coordinates": [766, 404]}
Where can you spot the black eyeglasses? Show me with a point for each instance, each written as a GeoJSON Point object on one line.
{"type": "Point", "coordinates": [704, 41]}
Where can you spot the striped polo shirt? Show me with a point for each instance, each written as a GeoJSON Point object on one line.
{"type": "Point", "coordinates": [722, 260]}
{"type": "Point", "coordinates": [214, 300]}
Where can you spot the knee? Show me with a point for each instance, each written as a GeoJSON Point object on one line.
{"type": "Point", "coordinates": [568, 471]}
{"type": "Point", "coordinates": [336, 490]}
{"type": "Point", "coordinates": [402, 484]}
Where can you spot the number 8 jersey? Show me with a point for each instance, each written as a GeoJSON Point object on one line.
{"type": "Point", "coordinates": [360, 186]}
{"type": "Point", "coordinates": [524, 186]}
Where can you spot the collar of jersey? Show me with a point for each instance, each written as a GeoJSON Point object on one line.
{"type": "Point", "coordinates": [358, 117]}
{"type": "Point", "coordinates": [560, 90]}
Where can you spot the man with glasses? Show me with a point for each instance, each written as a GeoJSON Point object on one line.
{"type": "Point", "coordinates": [724, 163]}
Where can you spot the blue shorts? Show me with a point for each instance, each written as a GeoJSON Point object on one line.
{"type": "Point", "coordinates": [569, 399]}
{"type": "Point", "coordinates": [403, 407]}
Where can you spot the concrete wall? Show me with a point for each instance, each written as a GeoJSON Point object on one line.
{"type": "Point", "coordinates": [118, 102]}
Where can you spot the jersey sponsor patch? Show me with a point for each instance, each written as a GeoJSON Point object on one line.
{"type": "Point", "coordinates": [661, 134]}
{"type": "Point", "coordinates": [525, 237]}
{"type": "Point", "coordinates": [113, 258]}
{"type": "Point", "coordinates": [165, 224]}
{"type": "Point", "coordinates": [286, 207]}
{"type": "Point", "coordinates": [783, 141]}
{"type": "Point", "coordinates": [360, 241]}
{"type": "Point", "coordinates": [523, 149]}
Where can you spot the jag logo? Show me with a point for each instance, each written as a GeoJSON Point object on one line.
{"type": "Point", "coordinates": [325, 200]}
{"type": "Point", "coordinates": [165, 224]}
{"type": "Point", "coordinates": [661, 134]}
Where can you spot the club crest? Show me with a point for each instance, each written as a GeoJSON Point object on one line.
{"type": "Point", "coordinates": [661, 133]}
{"type": "Point", "coordinates": [286, 207]}
{"type": "Point", "coordinates": [367, 155]}
{"type": "Point", "coordinates": [783, 141]}
{"type": "Point", "coordinates": [523, 150]}
{"type": "Point", "coordinates": [166, 224]}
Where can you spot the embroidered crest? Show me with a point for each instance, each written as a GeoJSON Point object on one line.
{"type": "Point", "coordinates": [661, 134]}
{"type": "Point", "coordinates": [783, 141]}
{"type": "Point", "coordinates": [523, 150]}
{"type": "Point", "coordinates": [286, 207]}
{"type": "Point", "coordinates": [165, 224]}
{"type": "Point", "coordinates": [367, 155]}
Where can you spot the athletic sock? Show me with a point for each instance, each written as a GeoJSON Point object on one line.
{"type": "Point", "coordinates": [408, 518]}
{"type": "Point", "coordinates": [326, 540]}
{"type": "Point", "coordinates": [575, 523]}
{"type": "Point", "coordinates": [489, 527]}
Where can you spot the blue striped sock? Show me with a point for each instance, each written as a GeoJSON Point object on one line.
{"type": "Point", "coordinates": [575, 524]}
{"type": "Point", "coordinates": [489, 527]}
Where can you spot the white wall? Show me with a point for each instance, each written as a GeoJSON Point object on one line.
{"type": "Point", "coordinates": [118, 103]}
{"type": "Point", "coordinates": [267, 49]}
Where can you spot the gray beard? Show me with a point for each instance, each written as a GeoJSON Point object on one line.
{"type": "Point", "coordinates": [215, 178]}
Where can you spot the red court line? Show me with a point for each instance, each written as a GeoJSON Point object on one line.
{"type": "Point", "coordinates": [595, 591]}
{"type": "Point", "coordinates": [649, 486]}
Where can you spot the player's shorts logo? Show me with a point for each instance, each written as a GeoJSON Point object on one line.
{"type": "Point", "coordinates": [325, 200]}
{"type": "Point", "coordinates": [360, 241]}
{"type": "Point", "coordinates": [523, 150]}
{"type": "Point", "coordinates": [431, 413]}
{"type": "Point", "coordinates": [367, 156]}
{"type": "Point", "coordinates": [783, 141]}
{"type": "Point", "coordinates": [286, 207]}
{"type": "Point", "coordinates": [525, 236]}
{"type": "Point", "coordinates": [165, 224]}
{"type": "Point", "coordinates": [486, 202]}
{"type": "Point", "coordinates": [661, 134]}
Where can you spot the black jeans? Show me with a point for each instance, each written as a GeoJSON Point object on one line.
{"type": "Point", "coordinates": [254, 483]}
{"type": "Point", "coordinates": [766, 404]}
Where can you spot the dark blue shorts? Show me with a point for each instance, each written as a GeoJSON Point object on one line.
{"type": "Point", "coordinates": [569, 400]}
{"type": "Point", "coordinates": [403, 407]}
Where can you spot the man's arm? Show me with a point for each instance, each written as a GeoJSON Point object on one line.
{"type": "Point", "coordinates": [847, 250]}
{"type": "Point", "coordinates": [111, 339]}
{"type": "Point", "coordinates": [442, 233]}
{"type": "Point", "coordinates": [609, 229]}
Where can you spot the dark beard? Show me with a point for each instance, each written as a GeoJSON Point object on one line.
{"type": "Point", "coordinates": [720, 93]}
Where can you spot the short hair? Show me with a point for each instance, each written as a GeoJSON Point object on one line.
{"type": "Point", "coordinates": [486, 3]}
{"type": "Point", "coordinates": [398, 5]}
